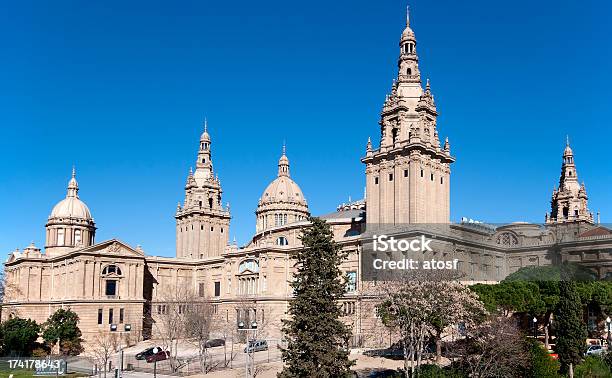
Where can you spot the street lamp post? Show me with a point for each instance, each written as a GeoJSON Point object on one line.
{"type": "Point", "coordinates": [126, 328]}
{"type": "Point", "coordinates": [535, 327]}
{"type": "Point", "coordinates": [608, 320]}
{"type": "Point", "coordinates": [248, 359]}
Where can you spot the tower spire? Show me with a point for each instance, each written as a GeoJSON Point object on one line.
{"type": "Point", "coordinates": [205, 124]}
{"type": "Point", "coordinates": [408, 15]}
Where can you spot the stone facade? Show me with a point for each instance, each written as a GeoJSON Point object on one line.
{"type": "Point", "coordinates": [407, 185]}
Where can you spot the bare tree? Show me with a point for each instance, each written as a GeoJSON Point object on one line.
{"type": "Point", "coordinates": [495, 348]}
{"type": "Point", "coordinates": [9, 291]}
{"type": "Point", "coordinates": [102, 348]}
{"type": "Point", "coordinates": [227, 330]}
{"type": "Point", "coordinates": [198, 324]}
{"type": "Point", "coordinates": [423, 306]}
{"type": "Point", "coordinates": [169, 320]}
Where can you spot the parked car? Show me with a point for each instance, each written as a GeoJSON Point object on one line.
{"type": "Point", "coordinates": [159, 356]}
{"type": "Point", "coordinates": [594, 350]}
{"type": "Point", "coordinates": [215, 343]}
{"type": "Point", "coordinates": [145, 353]}
{"type": "Point", "coordinates": [256, 346]}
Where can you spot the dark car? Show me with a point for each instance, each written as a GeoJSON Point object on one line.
{"type": "Point", "coordinates": [146, 353]}
{"type": "Point", "coordinates": [159, 356]}
{"type": "Point", "coordinates": [215, 343]}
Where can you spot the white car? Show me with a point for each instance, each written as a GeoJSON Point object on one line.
{"type": "Point", "coordinates": [594, 350]}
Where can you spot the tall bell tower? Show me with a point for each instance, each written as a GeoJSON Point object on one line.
{"type": "Point", "coordinates": [569, 202]}
{"type": "Point", "coordinates": [408, 175]}
{"type": "Point", "coordinates": [202, 223]}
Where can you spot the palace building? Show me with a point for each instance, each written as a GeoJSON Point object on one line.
{"type": "Point", "coordinates": [407, 180]}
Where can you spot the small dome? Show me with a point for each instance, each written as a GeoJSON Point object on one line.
{"type": "Point", "coordinates": [283, 190]}
{"type": "Point", "coordinates": [71, 206]}
{"type": "Point", "coordinates": [408, 34]}
{"type": "Point", "coordinates": [205, 137]}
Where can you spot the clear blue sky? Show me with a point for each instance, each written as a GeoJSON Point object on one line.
{"type": "Point", "coordinates": [120, 89]}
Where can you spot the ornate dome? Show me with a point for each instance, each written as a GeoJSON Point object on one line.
{"type": "Point", "coordinates": [71, 206]}
{"type": "Point", "coordinates": [283, 189]}
{"type": "Point", "coordinates": [282, 202]}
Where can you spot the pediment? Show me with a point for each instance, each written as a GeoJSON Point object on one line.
{"type": "Point", "coordinates": [114, 247]}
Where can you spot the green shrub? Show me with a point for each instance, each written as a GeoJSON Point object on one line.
{"type": "Point", "coordinates": [542, 364]}
{"type": "Point", "coordinates": [592, 367]}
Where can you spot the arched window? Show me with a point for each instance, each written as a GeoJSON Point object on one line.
{"type": "Point", "coordinates": [210, 202]}
{"type": "Point", "coordinates": [111, 269]}
{"type": "Point", "coordinates": [394, 133]}
{"type": "Point", "coordinates": [281, 240]}
{"type": "Point", "coordinates": [409, 71]}
{"type": "Point", "coordinates": [250, 265]}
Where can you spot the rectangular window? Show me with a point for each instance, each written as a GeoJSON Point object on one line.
{"type": "Point", "coordinates": [120, 316]}
{"type": "Point", "coordinates": [421, 173]}
{"type": "Point", "coordinates": [100, 316]}
{"type": "Point", "coordinates": [110, 316]}
{"type": "Point", "coordinates": [405, 173]}
{"type": "Point", "coordinates": [351, 284]}
{"type": "Point", "coordinates": [60, 236]}
{"type": "Point", "coordinates": [441, 180]}
{"type": "Point", "coordinates": [390, 176]}
{"type": "Point", "coordinates": [217, 288]}
{"type": "Point", "coordinates": [375, 180]}
{"type": "Point", "coordinates": [111, 287]}
{"type": "Point", "coordinates": [432, 177]}
{"type": "Point", "coordinates": [201, 289]}
{"type": "Point", "coordinates": [77, 237]}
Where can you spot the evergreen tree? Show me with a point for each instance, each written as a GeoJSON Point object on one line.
{"type": "Point", "coordinates": [317, 339]}
{"type": "Point", "coordinates": [62, 326]}
{"type": "Point", "coordinates": [19, 337]}
{"type": "Point", "coordinates": [571, 331]}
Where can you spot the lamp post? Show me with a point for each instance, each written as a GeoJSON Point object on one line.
{"type": "Point", "coordinates": [535, 327]}
{"type": "Point", "coordinates": [248, 349]}
{"type": "Point", "coordinates": [608, 321]}
{"type": "Point", "coordinates": [126, 328]}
